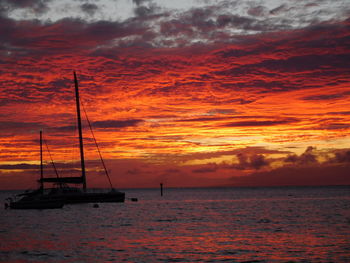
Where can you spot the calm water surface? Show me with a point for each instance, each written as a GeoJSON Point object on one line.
{"type": "Point", "coordinates": [304, 224]}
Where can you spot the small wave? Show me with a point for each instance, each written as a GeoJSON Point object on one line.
{"type": "Point", "coordinates": [126, 224]}
{"type": "Point", "coordinates": [279, 229]}
{"type": "Point", "coordinates": [165, 220]}
{"type": "Point", "coordinates": [264, 220]}
{"type": "Point", "coordinates": [253, 261]}
{"type": "Point", "coordinates": [107, 226]}
{"type": "Point", "coordinates": [176, 260]}
{"type": "Point", "coordinates": [228, 252]}
{"type": "Point", "coordinates": [35, 253]}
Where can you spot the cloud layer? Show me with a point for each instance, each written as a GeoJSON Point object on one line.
{"type": "Point", "coordinates": [208, 92]}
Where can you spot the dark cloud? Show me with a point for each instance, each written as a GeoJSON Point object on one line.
{"type": "Point", "coordinates": [210, 168]}
{"type": "Point", "coordinates": [32, 38]}
{"type": "Point", "coordinates": [35, 6]}
{"type": "Point", "coordinates": [206, 24]}
{"type": "Point", "coordinates": [176, 28]}
{"type": "Point", "coordinates": [292, 158]}
{"type": "Point", "coordinates": [59, 86]}
{"type": "Point", "coordinates": [306, 158]}
{"type": "Point", "coordinates": [249, 152]}
{"type": "Point", "coordinates": [345, 113]}
{"type": "Point", "coordinates": [116, 124]}
{"type": "Point", "coordinates": [234, 52]}
{"type": "Point", "coordinates": [209, 24]}
{"type": "Point", "coordinates": [311, 5]}
{"type": "Point", "coordinates": [296, 176]}
{"type": "Point", "coordinates": [47, 166]}
{"type": "Point", "coordinates": [303, 169]}
{"type": "Point", "coordinates": [340, 156]}
{"type": "Point", "coordinates": [307, 62]}
{"type": "Point", "coordinates": [267, 74]}
{"type": "Point", "coordinates": [144, 11]}
{"type": "Point", "coordinates": [215, 24]}
{"type": "Point", "coordinates": [140, 2]}
{"type": "Point", "coordinates": [259, 123]}
{"type": "Point", "coordinates": [279, 9]}
{"type": "Point", "coordinates": [20, 126]}
{"type": "Point", "coordinates": [250, 161]}
{"type": "Point", "coordinates": [334, 126]}
{"type": "Point", "coordinates": [266, 86]}
{"type": "Point", "coordinates": [258, 161]}
{"type": "Point", "coordinates": [89, 8]}
{"type": "Point", "coordinates": [257, 11]}
{"type": "Point", "coordinates": [247, 23]}
{"type": "Point", "coordinates": [21, 166]}
{"type": "Point", "coordinates": [327, 96]}
{"type": "Point", "coordinates": [205, 119]}
{"type": "Point", "coordinates": [67, 128]}
{"type": "Point", "coordinates": [250, 123]}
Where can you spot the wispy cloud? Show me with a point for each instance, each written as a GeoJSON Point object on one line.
{"type": "Point", "coordinates": [116, 123]}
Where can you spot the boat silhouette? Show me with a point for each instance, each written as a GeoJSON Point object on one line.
{"type": "Point", "coordinates": [35, 199]}
{"type": "Point", "coordinates": [62, 192]}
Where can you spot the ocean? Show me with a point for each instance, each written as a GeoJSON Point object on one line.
{"type": "Point", "coordinates": [273, 224]}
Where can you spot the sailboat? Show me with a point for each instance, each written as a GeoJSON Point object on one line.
{"type": "Point", "coordinates": [63, 191]}
{"type": "Point", "coordinates": [74, 194]}
{"type": "Point", "coordinates": [35, 199]}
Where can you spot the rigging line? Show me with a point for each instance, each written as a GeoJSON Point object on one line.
{"type": "Point", "coordinates": [53, 164]}
{"type": "Point", "coordinates": [98, 148]}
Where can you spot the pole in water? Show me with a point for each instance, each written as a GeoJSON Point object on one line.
{"type": "Point", "coordinates": [161, 189]}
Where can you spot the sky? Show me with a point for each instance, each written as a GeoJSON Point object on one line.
{"type": "Point", "coordinates": [188, 93]}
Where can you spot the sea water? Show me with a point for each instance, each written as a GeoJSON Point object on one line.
{"type": "Point", "coordinates": [276, 224]}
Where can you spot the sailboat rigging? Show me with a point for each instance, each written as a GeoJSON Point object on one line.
{"type": "Point", "coordinates": [35, 199]}
{"type": "Point", "coordinates": [63, 192]}
{"type": "Point", "coordinates": [73, 194]}
{"type": "Point", "coordinates": [98, 148]}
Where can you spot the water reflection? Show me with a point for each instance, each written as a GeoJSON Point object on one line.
{"type": "Point", "coordinates": [269, 225]}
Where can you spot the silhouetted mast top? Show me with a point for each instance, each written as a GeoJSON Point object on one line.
{"type": "Point", "coordinates": [80, 132]}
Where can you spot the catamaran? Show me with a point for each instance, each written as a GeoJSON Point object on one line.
{"type": "Point", "coordinates": [35, 199]}
{"type": "Point", "coordinates": [77, 195]}
{"type": "Point", "coordinates": [63, 192]}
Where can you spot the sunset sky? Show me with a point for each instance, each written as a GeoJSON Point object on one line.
{"type": "Point", "coordinates": [188, 93]}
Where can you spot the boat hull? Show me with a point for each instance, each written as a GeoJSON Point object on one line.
{"type": "Point", "coordinates": [76, 196]}
{"type": "Point", "coordinates": [37, 204]}
{"type": "Point", "coordinates": [58, 200]}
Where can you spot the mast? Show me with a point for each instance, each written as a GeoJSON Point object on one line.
{"type": "Point", "coordinates": [80, 132]}
{"type": "Point", "coordinates": [41, 163]}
